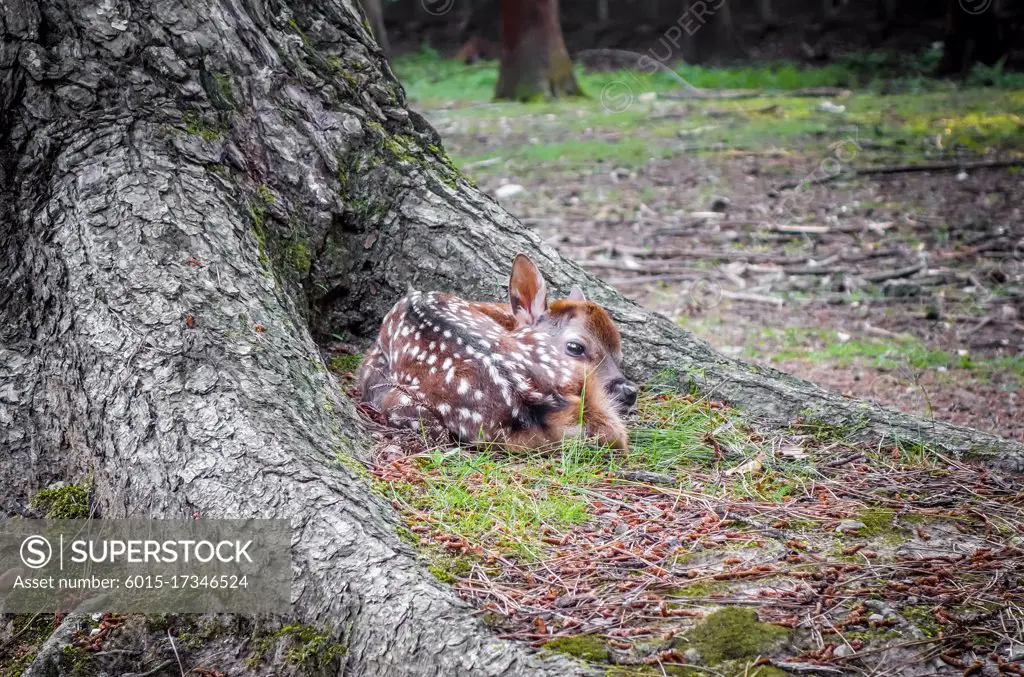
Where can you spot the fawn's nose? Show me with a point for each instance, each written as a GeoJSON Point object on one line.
{"type": "Point", "coordinates": [625, 392]}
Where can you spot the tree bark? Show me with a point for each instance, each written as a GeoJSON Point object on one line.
{"type": "Point", "coordinates": [190, 194]}
{"type": "Point", "coordinates": [534, 61]}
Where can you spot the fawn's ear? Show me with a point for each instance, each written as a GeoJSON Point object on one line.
{"type": "Point", "coordinates": [576, 294]}
{"type": "Point", "coordinates": [527, 292]}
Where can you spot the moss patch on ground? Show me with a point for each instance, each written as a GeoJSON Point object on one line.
{"type": "Point", "coordinates": [922, 617]}
{"type": "Point", "coordinates": [700, 590]}
{"type": "Point", "coordinates": [306, 647]}
{"type": "Point", "coordinates": [343, 364]}
{"type": "Point", "coordinates": [876, 521]}
{"type": "Point", "coordinates": [732, 634]}
{"type": "Point", "coordinates": [586, 647]}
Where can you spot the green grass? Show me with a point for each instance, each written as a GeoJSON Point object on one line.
{"type": "Point", "coordinates": [486, 495]}
{"type": "Point", "coordinates": [677, 432]}
{"type": "Point", "coordinates": [823, 345]}
{"type": "Point", "coordinates": [873, 131]}
{"type": "Point", "coordinates": [510, 504]}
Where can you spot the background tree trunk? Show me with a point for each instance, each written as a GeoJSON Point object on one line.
{"type": "Point", "coordinates": [374, 10]}
{"type": "Point", "coordinates": [973, 34]}
{"type": "Point", "coordinates": [534, 61]}
{"type": "Point", "coordinates": [189, 195]}
{"type": "Point", "coordinates": [765, 13]}
{"type": "Point", "coordinates": [712, 34]}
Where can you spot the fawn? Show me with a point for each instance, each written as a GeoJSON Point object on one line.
{"type": "Point", "coordinates": [523, 374]}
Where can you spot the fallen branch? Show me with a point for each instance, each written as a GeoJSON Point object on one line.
{"type": "Point", "coordinates": [879, 331]}
{"type": "Point", "coordinates": [649, 279]}
{"type": "Point", "coordinates": [823, 267]}
{"type": "Point", "coordinates": [482, 163]}
{"type": "Point", "coordinates": [668, 266]}
{"type": "Point", "coordinates": [801, 230]}
{"type": "Point", "coordinates": [752, 298]}
{"type": "Point", "coordinates": [844, 460]}
{"type": "Point", "coordinates": [894, 274]}
{"type": "Point", "coordinates": [981, 323]}
{"type": "Point", "coordinates": [806, 668]}
{"type": "Point", "coordinates": [939, 167]}
{"type": "Point", "coordinates": [904, 169]}
{"type": "Point", "coordinates": [647, 477]}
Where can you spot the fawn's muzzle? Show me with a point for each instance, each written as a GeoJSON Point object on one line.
{"type": "Point", "coordinates": [625, 393]}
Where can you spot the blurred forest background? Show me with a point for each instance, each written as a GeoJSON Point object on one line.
{"type": "Point", "coordinates": [802, 31]}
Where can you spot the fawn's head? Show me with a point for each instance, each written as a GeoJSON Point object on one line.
{"type": "Point", "coordinates": [580, 328]}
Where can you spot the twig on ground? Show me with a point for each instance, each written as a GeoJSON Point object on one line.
{"type": "Point", "coordinates": [650, 279]}
{"type": "Point", "coordinates": [940, 167]}
{"type": "Point", "coordinates": [894, 274]}
{"type": "Point", "coordinates": [752, 298]}
{"type": "Point", "coordinates": [160, 667]}
{"type": "Point", "coordinates": [800, 230]}
{"type": "Point", "coordinates": [903, 169]}
{"type": "Point", "coordinates": [181, 668]}
{"type": "Point", "coordinates": [806, 668]}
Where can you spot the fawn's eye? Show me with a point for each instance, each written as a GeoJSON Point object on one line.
{"type": "Point", "coordinates": [574, 348]}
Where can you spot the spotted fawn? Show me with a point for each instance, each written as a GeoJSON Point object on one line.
{"type": "Point", "coordinates": [523, 374]}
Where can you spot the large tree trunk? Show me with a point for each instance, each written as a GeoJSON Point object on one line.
{"type": "Point", "coordinates": [534, 61]}
{"type": "Point", "coordinates": [190, 193]}
{"type": "Point", "coordinates": [180, 181]}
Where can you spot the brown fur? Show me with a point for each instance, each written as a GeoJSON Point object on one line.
{"type": "Point", "coordinates": [597, 320]}
{"type": "Point", "coordinates": [499, 312]}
